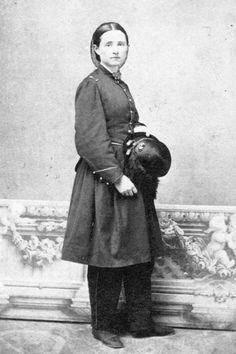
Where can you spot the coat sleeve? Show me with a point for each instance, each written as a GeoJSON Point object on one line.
{"type": "Point", "coordinates": [91, 137]}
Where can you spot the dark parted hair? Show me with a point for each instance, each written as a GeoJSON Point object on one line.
{"type": "Point", "coordinates": [103, 28]}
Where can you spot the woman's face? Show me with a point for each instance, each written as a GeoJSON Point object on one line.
{"type": "Point", "coordinates": [113, 49]}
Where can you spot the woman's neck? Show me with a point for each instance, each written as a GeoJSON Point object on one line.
{"type": "Point", "coordinates": [115, 70]}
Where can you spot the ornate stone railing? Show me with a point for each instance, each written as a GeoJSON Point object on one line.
{"type": "Point", "coordinates": [193, 282]}
{"type": "Point", "coordinates": [34, 281]}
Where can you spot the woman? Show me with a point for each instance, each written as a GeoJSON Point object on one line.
{"type": "Point", "coordinates": [111, 225]}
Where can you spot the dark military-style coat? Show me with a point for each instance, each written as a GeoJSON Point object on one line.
{"type": "Point", "coordinates": [104, 228]}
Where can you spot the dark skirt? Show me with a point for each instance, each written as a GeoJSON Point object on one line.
{"type": "Point", "coordinates": [106, 229]}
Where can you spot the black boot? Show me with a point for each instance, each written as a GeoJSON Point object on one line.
{"type": "Point", "coordinates": [108, 338]}
{"type": "Point", "coordinates": [154, 331]}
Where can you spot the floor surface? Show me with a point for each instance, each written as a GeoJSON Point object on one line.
{"type": "Point", "coordinates": [32, 337]}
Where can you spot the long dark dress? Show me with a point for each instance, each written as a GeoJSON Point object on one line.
{"type": "Point", "coordinates": [104, 228]}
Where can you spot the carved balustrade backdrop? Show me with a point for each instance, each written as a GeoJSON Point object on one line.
{"type": "Point", "coordinates": [193, 282]}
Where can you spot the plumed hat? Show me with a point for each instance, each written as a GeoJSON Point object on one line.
{"type": "Point", "coordinates": [149, 152]}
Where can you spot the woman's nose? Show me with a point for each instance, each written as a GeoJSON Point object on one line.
{"type": "Point", "coordinates": [115, 50]}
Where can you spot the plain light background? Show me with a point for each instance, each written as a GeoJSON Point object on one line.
{"type": "Point", "coordinates": [181, 72]}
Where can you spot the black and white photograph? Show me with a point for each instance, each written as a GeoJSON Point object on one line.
{"type": "Point", "coordinates": [118, 176]}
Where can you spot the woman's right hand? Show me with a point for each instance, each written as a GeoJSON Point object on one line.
{"type": "Point", "coordinates": [126, 187]}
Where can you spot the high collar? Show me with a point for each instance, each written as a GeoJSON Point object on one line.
{"type": "Point", "coordinates": [114, 76]}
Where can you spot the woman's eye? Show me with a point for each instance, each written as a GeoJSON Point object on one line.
{"type": "Point", "coordinates": [121, 44]}
{"type": "Point", "coordinates": [107, 44]}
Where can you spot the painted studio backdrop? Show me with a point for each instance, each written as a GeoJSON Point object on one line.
{"type": "Point", "coordinates": [181, 72]}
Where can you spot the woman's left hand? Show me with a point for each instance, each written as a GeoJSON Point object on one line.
{"type": "Point", "coordinates": [126, 187]}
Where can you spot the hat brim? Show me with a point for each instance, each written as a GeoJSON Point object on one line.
{"type": "Point", "coordinates": [156, 157]}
